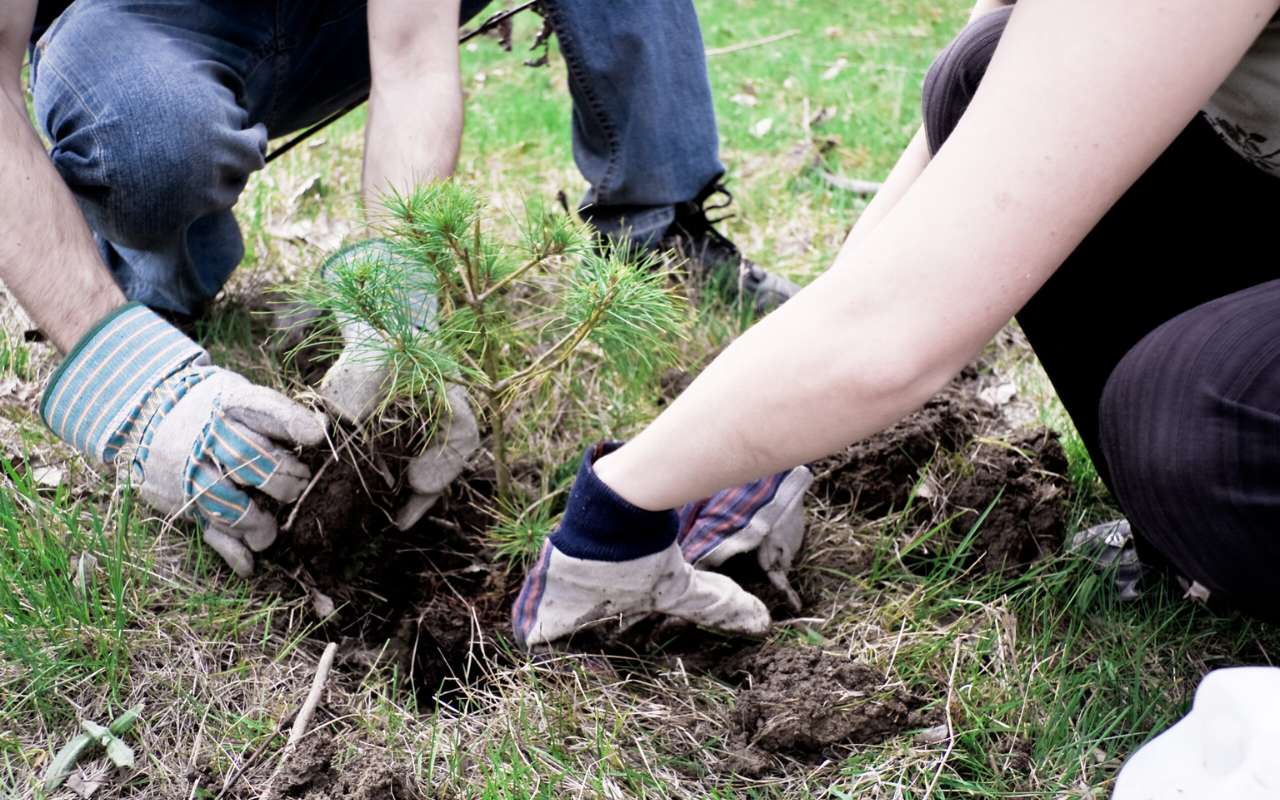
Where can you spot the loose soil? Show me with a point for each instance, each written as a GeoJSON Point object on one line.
{"type": "Point", "coordinates": [431, 601]}
{"type": "Point", "coordinates": [998, 493]}
{"type": "Point", "coordinates": [803, 702]}
{"type": "Point", "coordinates": [424, 601]}
{"type": "Point", "coordinates": [312, 774]}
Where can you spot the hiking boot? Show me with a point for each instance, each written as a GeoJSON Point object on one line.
{"type": "Point", "coordinates": [714, 261]}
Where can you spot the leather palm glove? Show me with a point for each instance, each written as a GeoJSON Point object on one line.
{"type": "Point", "coordinates": [360, 379]}
{"type": "Point", "coordinates": [610, 563]}
{"type": "Point", "coordinates": [136, 390]}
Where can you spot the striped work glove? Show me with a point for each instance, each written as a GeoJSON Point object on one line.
{"type": "Point", "coordinates": [612, 562]}
{"type": "Point", "coordinates": [359, 380]}
{"type": "Point", "coordinates": [764, 516]}
{"type": "Point", "coordinates": [136, 388]}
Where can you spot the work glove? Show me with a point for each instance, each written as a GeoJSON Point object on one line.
{"type": "Point", "coordinates": [765, 516]}
{"type": "Point", "coordinates": [359, 381]}
{"type": "Point", "coordinates": [136, 390]}
{"type": "Point", "coordinates": [611, 562]}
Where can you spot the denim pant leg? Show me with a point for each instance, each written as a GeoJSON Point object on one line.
{"type": "Point", "coordinates": [644, 129]}
{"type": "Point", "coordinates": [149, 130]}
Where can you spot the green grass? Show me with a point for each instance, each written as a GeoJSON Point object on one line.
{"type": "Point", "coordinates": [1054, 683]}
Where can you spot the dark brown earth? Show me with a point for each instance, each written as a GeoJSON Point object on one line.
{"type": "Point", "coordinates": [432, 600]}
{"type": "Point", "coordinates": [1009, 484]}
{"type": "Point", "coordinates": [416, 600]}
{"type": "Point", "coordinates": [804, 701]}
{"type": "Point", "coordinates": [313, 773]}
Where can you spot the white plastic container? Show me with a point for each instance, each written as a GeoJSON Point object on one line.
{"type": "Point", "coordinates": [1226, 748]}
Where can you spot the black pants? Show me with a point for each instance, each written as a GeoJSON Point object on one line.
{"type": "Point", "coordinates": [1161, 334]}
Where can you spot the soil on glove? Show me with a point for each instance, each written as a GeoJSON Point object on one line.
{"type": "Point", "coordinates": [802, 702]}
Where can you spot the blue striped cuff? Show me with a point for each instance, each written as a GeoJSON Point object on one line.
{"type": "Point", "coordinates": [103, 384]}
{"type": "Point", "coordinates": [599, 525]}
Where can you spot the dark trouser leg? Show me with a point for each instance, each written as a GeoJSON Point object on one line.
{"type": "Point", "coordinates": [1190, 425]}
{"type": "Point", "coordinates": [1189, 231]}
{"type": "Point", "coordinates": [644, 130]}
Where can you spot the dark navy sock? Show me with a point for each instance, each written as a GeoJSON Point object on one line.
{"type": "Point", "coordinates": [599, 525]}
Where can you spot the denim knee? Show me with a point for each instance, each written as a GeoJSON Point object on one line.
{"type": "Point", "coordinates": [149, 140]}
{"type": "Point", "coordinates": [954, 76]}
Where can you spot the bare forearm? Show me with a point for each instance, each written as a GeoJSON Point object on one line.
{"type": "Point", "coordinates": [904, 173]}
{"type": "Point", "coordinates": [1080, 98]}
{"type": "Point", "coordinates": [415, 105]}
{"type": "Point", "coordinates": [47, 255]}
{"type": "Point", "coordinates": [413, 136]}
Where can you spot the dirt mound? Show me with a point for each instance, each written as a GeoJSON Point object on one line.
{"type": "Point", "coordinates": [1019, 485]}
{"type": "Point", "coordinates": [1010, 484]}
{"type": "Point", "coordinates": [424, 600]}
{"type": "Point", "coordinates": [804, 701]}
{"type": "Point", "coordinates": [312, 774]}
{"type": "Point", "coordinates": [875, 476]}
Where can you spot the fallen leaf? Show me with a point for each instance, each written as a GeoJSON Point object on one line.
{"type": "Point", "coordinates": [83, 569]}
{"type": "Point", "coordinates": [50, 477]}
{"type": "Point", "coordinates": [824, 114]}
{"type": "Point", "coordinates": [835, 69]}
{"type": "Point", "coordinates": [935, 735]}
{"type": "Point", "coordinates": [748, 100]}
{"type": "Point", "coordinates": [761, 129]}
{"type": "Point", "coordinates": [311, 187]}
{"type": "Point", "coordinates": [83, 787]}
{"type": "Point", "coordinates": [322, 604]}
{"type": "Point", "coordinates": [996, 396]}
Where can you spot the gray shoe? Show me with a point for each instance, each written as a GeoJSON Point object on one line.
{"type": "Point", "coordinates": [1109, 546]}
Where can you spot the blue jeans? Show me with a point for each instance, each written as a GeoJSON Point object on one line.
{"type": "Point", "coordinates": [159, 110]}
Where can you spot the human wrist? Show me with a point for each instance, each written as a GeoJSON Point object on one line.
{"type": "Point", "coordinates": [614, 470]}
{"type": "Point", "coordinates": [600, 524]}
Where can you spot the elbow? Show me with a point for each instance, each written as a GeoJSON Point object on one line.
{"type": "Point", "coordinates": [888, 382]}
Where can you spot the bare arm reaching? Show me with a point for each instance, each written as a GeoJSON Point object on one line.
{"type": "Point", "coordinates": [47, 255]}
{"type": "Point", "coordinates": [1080, 98]}
{"type": "Point", "coordinates": [415, 105]}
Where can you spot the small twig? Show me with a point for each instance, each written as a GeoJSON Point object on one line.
{"type": "Point", "coordinates": [951, 729]}
{"type": "Point", "coordinates": [511, 277]}
{"type": "Point", "coordinates": [849, 184]}
{"type": "Point", "coordinates": [297, 504]}
{"type": "Point", "coordinates": [305, 713]}
{"type": "Point", "coordinates": [734, 48]}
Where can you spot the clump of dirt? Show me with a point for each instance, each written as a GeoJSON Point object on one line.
{"type": "Point", "coordinates": [312, 774]}
{"type": "Point", "coordinates": [1009, 483]}
{"type": "Point", "coordinates": [421, 600]}
{"type": "Point", "coordinates": [1020, 485]}
{"type": "Point", "coordinates": [876, 475]}
{"type": "Point", "coordinates": [802, 702]}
